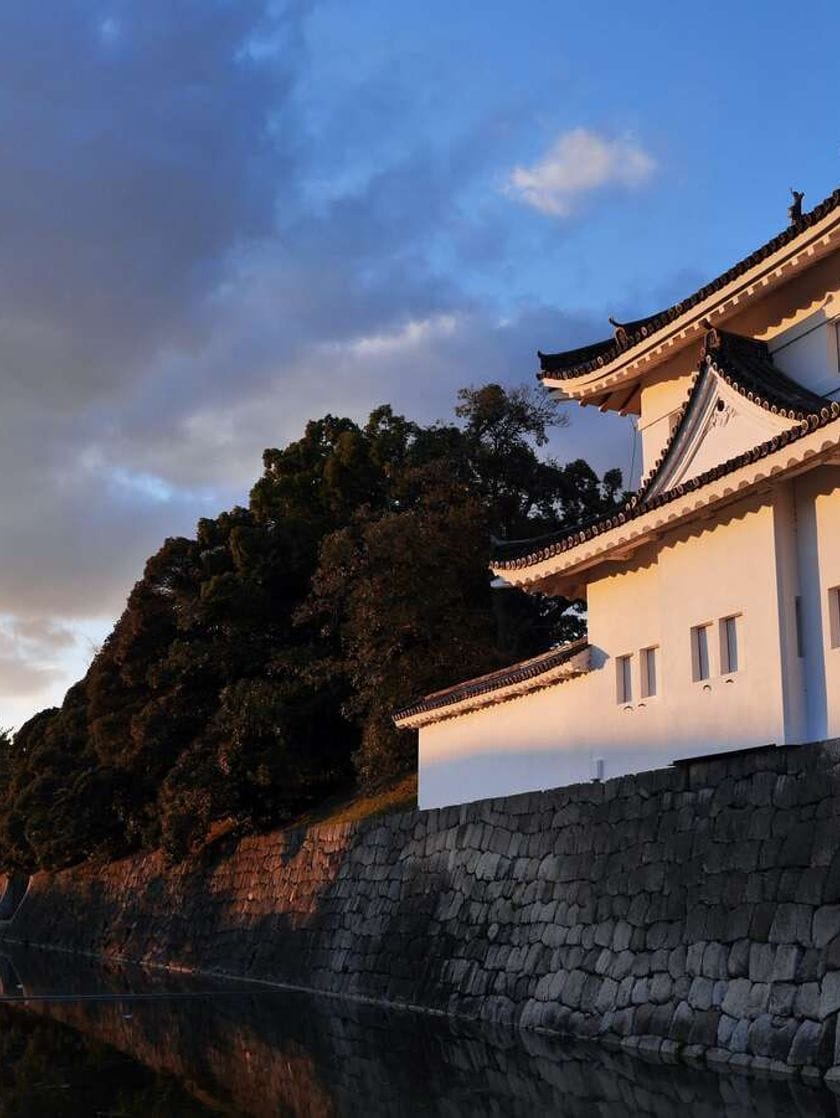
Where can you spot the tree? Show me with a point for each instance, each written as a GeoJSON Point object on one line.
{"type": "Point", "coordinates": [256, 666]}
{"type": "Point", "coordinates": [408, 599]}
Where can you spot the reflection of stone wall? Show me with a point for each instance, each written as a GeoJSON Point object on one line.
{"type": "Point", "coordinates": [312, 1057]}
{"type": "Point", "coordinates": [695, 908]}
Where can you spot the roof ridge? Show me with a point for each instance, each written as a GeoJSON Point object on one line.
{"type": "Point", "coordinates": [518, 672]}
{"type": "Point", "coordinates": [717, 357]}
{"type": "Point", "coordinates": [630, 334]}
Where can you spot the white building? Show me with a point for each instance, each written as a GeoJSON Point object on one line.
{"type": "Point", "coordinates": [713, 595]}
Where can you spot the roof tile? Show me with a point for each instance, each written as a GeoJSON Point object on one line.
{"type": "Point", "coordinates": [585, 359]}
{"type": "Point", "coordinates": [747, 366]}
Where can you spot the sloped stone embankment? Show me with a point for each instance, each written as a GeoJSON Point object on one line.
{"type": "Point", "coordinates": [691, 911]}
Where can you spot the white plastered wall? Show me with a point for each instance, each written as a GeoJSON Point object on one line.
{"type": "Point", "coordinates": [662, 396]}
{"type": "Point", "coordinates": [555, 736]}
{"type": "Point", "coordinates": [818, 501]}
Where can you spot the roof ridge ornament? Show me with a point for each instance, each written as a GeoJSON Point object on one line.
{"type": "Point", "coordinates": [795, 208]}
{"type": "Point", "coordinates": [620, 332]}
{"type": "Point", "coordinates": [575, 363]}
{"type": "Point", "coordinates": [712, 339]}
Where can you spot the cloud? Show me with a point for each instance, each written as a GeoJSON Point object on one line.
{"type": "Point", "coordinates": [30, 654]}
{"type": "Point", "coordinates": [42, 634]}
{"type": "Point", "coordinates": [193, 263]}
{"type": "Point", "coordinates": [578, 163]}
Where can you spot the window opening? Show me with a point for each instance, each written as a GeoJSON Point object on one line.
{"type": "Point", "coordinates": [729, 645]}
{"type": "Point", "coordinates": [834, 616]}
{"type": "Point", "coordinates": [623, 680]}
{"type": "Point", "coordinates": [648, 666]}
{"type": "Point", "coordinates": [700, 652]}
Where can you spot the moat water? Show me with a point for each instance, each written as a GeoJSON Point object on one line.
{"type": "Point", "coordinates": [79, 1038]}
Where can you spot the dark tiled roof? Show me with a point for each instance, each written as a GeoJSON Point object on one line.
{"type": "Point", "coordinates": [747, 366]}
{"type": "Point", "coordinates": [586, 359]}
{"type": "Point", "coordinates": [495, 681]}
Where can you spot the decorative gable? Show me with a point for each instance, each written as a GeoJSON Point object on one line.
{"type": "Point", "coordinates": [741, 410]}
{"type": "Point", "coordinates": [739, 400]}
{"type": "Point", "coordinates": [721, 424]}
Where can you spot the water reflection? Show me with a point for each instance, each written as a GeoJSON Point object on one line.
{"type": "Point", "coordinates": [73, 1043]}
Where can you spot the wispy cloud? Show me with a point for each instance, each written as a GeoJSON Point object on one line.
{"type": "Point", "coordinates": [578, 163]}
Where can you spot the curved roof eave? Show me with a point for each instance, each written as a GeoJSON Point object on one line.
{"type": "Point", "coordinates": [609, 355]}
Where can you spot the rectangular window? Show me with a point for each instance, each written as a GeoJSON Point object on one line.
{"type": "Point", "coordinates": [700, 652]}
{"type": "Point", "coordinates": [728, 645]}
{"type": "Point", "coordinates": [834, 616]}
{"type": "Point", "coordinates": [648, 668]}
{"type": "Point", "coordinates": [623, 680]}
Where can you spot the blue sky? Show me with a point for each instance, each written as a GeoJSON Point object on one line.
{"type": "Point", "coordinates": [221, 217]}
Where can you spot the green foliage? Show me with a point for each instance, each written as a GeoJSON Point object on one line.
{"type": "Point", "coordinates": [255, 668]}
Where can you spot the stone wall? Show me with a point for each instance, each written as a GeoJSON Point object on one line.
{"type": "Point", "coordinates": [692, 911]}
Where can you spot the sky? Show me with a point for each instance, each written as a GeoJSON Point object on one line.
{"type": "Point", "coordinates": [219, 218]}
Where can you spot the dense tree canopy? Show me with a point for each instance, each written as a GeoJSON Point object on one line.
{"type": "Point", "coordinates": [255, 667]}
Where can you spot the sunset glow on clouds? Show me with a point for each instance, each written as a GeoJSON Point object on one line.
{"type": "Point", "coordinates": [220, 219]}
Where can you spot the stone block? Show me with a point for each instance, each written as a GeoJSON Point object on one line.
{"type": "Point", "coordinates": [694, 959]}
{"type": "Point", "coordinates": [782, 998]}
{"type": "Point", "coordinates": [704, 1027]}
{"type": "Point", "coordinates": [786, 963]}
{"type": "Point", "coordinates": [726, 1025]}
{"type": "Point", "coordinates": [762, 958]}
{"type": "Point", "coordinates": [661, 987]}
{"type": "Point", "coordinates": [759, 998]}
{"type": "Point", "coordinates": [715, 959]}
{"type": "Point", "coordinates": [829, 994]}
{"type": "Point", "coordinates": [625, 989]}
{"type": "Point", "coordinates": [737, 963]}
{"type": "Point", "coordinates": [640, 993]}
{"type": "Point", "coordinates": [807, 1000]}
{"type": "Point", "coordinates": [589, 993]}
{"type": "Point", "coordinates": [797, 846]}
{"type": "Point", "coordinates": [681, 1023]}
{"type": "Point", "coordinates": [805, 1045]}
{"type": "Point", "coordinates": [811, 884]}
{"type": "Point", "coordinates": [831, 886]}
{"type": "Point", "coordinates": [792, 924]}
{"type": "Point", "coordinates": [573, 988]}
{"type": "Point", "coordinates": [677, 962]}
{"type": "Point", "coordinates": [761, 921]}
{"type": "Point", "coordinates": [826, 924]}
{"type": "Point", "coordinates": [606, 998]}
{"type": "Point", "coordinates": [736, 1003]}
{"type": "Point", "coordinates": [739, 1037]}
{"type": "Point", "coordinates": [700, 993]}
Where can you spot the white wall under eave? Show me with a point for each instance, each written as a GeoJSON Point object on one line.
{"type": "Point", "coordinates": [820, 491]}
{"type": "Point", "coordinates": [808, 351]}
{"type": "Point", "coordinates": [554, 736]}
{"type": "Point", "coordinates": [662, 396]}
